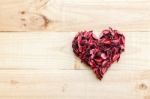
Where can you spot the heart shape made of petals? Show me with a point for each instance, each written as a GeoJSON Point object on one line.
{"type": "Point", "coordinates": [99, 53]}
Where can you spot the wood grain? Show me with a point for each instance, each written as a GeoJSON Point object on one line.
{"type": "Point", "coordinates": [41, 65]}
{"type": "Point", "coordinates": [74, 15]}
{"type": "Point", "coordinates": [43, 50]}
{"type": "Point", "coordinates": [66, 84]}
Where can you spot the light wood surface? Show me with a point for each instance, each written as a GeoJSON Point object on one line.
{"type": "Point", "coordinates": [41, 65]}
{"type": "Point", "coordinates": [74, 15]}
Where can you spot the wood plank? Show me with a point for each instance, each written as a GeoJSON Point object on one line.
{"type": "Point", "coordinates": [74, 15]}
{"type": "Point", "coordinates": [53, 50]}
{"type": "Point", "coordinates": [73, 84]}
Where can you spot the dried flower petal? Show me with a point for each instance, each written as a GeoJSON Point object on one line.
{"type": "Point", "coordinates": [103, 56]}
{"type": "Point", "coordinates": [100, 53]}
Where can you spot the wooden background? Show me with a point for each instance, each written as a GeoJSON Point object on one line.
{"type": "Point", "coordinates": [36, 59]}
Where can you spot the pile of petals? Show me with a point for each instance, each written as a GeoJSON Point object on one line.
{"type": "Point", "coordinates": [99, 53]}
